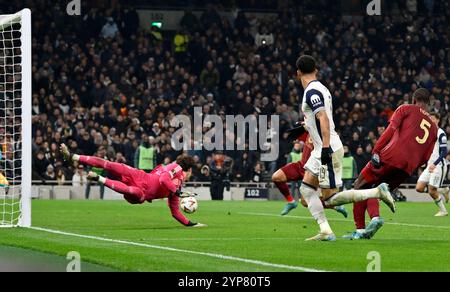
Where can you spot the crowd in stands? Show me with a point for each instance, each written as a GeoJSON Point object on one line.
{"type": "Point", "coordinates": [102, 82]}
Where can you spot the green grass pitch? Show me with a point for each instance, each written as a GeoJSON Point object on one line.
{"type": "Point", "coordinates": [242, 236]}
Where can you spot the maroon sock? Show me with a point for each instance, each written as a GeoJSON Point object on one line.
{"type": "Point", "coordinates": [284, 189]}
{"type": "Point", "coordinates": [373, 208]}
{"type": "Point", "coordinates": [359, 212]}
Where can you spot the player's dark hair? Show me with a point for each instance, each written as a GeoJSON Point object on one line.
{"type": "Point", "coordinates": [436, 115]}
{"type": "Point", "coordinates": [306, 64]}
{"type": "Point", "coordinates": [421, 95]}
{"type": "Point", "coordinates": [186, 162]}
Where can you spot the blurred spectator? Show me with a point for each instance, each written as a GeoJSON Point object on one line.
{"type": "Point", "coordinates": [189, 21]}
{"type": "Point", "coordinates": [145, 156]}
{"type": "Point", "coordinates": [205, 174]}
{"type": "Point", "coordinates": [243, 168]}
{"type": "Point", "coordinates": [60, 177]}
{"type": "Point", "coordinates": [79, 178]}
{"type": "Point", "coordinates": [109, 29]}
{"type": "Point", "coordinates": [264, 38]}
{"type": "Point", "coordinates": [361, 159]}
{"type": "Point", "coordinates": [40, 164]}
{"type": "Point", "coordinates": [220, 168]}
{"type": "Point", "coordinates": [257, 173]}
{"type": "Point", "coordinates": [50, 174]}
{"type": "Point", "coordinates": [210, 76]}
{"type": "Point", "coordinates": [181, 41]}
{"type": "Point", "coordinates": [349, 169]}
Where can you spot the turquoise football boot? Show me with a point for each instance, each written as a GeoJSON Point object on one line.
{"type": "Point", "coordinates": [373, 227]}
{"type": "Point", "coordinates": [342, 210]}
{"type": "Point", "coordinates": [289, 207]}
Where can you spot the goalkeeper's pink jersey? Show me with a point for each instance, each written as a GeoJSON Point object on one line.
{"type": "Point", "coordinates": [161, 183]}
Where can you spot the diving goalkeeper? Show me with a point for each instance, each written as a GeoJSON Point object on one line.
{"type": "Point", "coordinates": [138, 186]}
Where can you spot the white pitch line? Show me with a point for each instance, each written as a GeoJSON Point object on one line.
{"type": "Point", "coordinates": [221, 239]}
{"type": "Point", "coordinates": [344, 220]}
{"type": "Point", "coordinates": [212, 255]}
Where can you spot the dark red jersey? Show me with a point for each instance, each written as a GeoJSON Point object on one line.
{"type": "Point", "coordinates": [307, 149]}
{"type": "Point", "coordinates": [409, 140]}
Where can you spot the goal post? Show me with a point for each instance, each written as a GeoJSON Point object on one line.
{"type": "Point", "coordinates": [15, 119]}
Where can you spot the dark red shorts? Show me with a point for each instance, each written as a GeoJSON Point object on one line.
{"type": "Point", "coordinates": [393, 176]}
{"type": "Point", "coordinates": [294, 171]}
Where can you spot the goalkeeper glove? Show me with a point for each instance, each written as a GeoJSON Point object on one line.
{"type": "Point", "coordinates": [184, 194]}
{"type": "Point", "coordinates": [325, 156]}
{"type": "Point", "coordinates": [295, 132]}
{"type": "Point", "coordinates": [193, 224]}
{"type": "Point", "coordinates": [376, 160]}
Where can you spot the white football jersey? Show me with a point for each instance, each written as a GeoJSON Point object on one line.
{"type": "Point", "coordinates": [317, 98]}
{"type": "Point", "coordinates": [441, 143]}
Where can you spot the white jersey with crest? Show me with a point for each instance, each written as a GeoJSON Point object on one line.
{"type": "Point", "coordinates": [440, 148]}
{"type": "Point", "coordinates": [317, 98]}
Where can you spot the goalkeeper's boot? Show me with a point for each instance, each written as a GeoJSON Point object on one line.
{"type": "Point", "coordinates": [322, 237]}
{"type": "Point", "coordinates": [93, 176]}
{"type": "Point", "coordinates": [355, 235]}
{"type": "Point", "coordinates": [441, 214]}
{"type": "Point", "coordinates": [386, 196]}
{"type": "Point", "coordinates": [66, 153]}
{"type": "Point", "coordinates": [289, 207]}
{"type": "Point", "coordinates": [374, 225]}
{"type": "Point", "coordinates": [341, 209]}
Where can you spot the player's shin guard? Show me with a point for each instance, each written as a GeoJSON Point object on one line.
{"type": "Point", "coordinates": [352, 196]}
{"type": "Point", "coordinates": [315, 207]}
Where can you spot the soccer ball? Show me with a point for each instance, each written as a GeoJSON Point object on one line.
{"type": "Point", "coordinates": [189, 205]}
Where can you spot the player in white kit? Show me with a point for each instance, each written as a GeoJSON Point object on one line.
{"type": "Point", "coordinates": [434, 174]}
{"type": "Point", "coordinates": [324, 167]}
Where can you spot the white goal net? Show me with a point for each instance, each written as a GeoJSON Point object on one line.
{"type": "Point", "coordinates": [15, 119]}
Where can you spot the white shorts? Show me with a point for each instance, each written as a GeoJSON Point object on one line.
{"type": "Point", "coordinates": [330, 176]}
{"type": "Point", "coordinates": [436, 178]}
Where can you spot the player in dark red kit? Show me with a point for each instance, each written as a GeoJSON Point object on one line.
{"type": "Point", "coordinates": [405, 145]}
{"type": "Point", "coordinates": [295, 171]}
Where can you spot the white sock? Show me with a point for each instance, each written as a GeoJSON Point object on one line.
{"type": "Point", "coordinates": [440, 203]}
{"type": "Point", "coordinates": [316, 208]}
{"type": "Point", "coordinates": [375, 218]}
{"type": "Point", "coordinates": [102, 179]}
{"type": "Point", "coordinates": [352, 196]}
{"type": "Point", "coordinates": [360, 230]}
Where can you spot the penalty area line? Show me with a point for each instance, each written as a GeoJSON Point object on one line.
{"type": "Point", "coordinates": [207, 254]}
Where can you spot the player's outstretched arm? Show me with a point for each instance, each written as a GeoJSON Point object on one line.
{"type": "Point", "coordinates": [384, 139]}
{"type": "Point", "coordinates": [394, 123]}
{"type": "Point", "coordinates": [325, 130]}
{"type": "Point", "coordinates": [324, 127]}
{"type": "Point", "coordinates": [174, 202]}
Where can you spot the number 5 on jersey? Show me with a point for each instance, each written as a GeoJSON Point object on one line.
{"type": "Point", "coordinates": [425, 126]}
